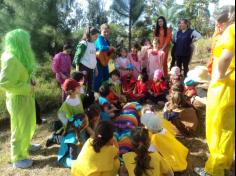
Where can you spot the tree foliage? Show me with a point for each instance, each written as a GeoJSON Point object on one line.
{"type": "Point", "coordinates": [130, 10]}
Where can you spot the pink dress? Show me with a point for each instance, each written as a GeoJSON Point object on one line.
{"type": "Point", "coordinates": [155, 61]}
{"type": "Point", "coordinates": [135, 60]}
{"type": "Point", "coordinates": [144, 56]}
{"type": "Point", "coordinates": [122, 63]}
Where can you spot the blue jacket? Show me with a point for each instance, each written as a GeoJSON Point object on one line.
{"type": "Point", "coordinates": [102, 44]}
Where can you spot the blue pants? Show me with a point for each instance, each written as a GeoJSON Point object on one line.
{"type": "Point", "coordinates": [103, 75]}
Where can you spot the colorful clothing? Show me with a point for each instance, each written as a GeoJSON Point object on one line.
{"type": "Point", "coordinates": [135, 61]}
{"type": "Point", "coordinates": [121, 65]}
{"type": "Point", "coordinates": [71, 107]}
{"type": "Point", "coordinates": [220, 112]}
{"type": "Point", "coordinates": [155, 61]}
{"type": "Point", "coordinates": [175, 156]}
{"type": "Point", "coordinates": [20, 102]}
{"type": "Point", "coordinates": [144, 56]}
{"type": "Point", "coordinates": [61, 64]}
{"type": "Point", "coordinates": [215, 38]}
{"type": "Point", "coordinates": [90, 163]}
{"type": "Point", "coordinates": [128, 85]}
{"type": "Point", "coordinates": [68, 149]}
{"type": "Point", "coordinates": [165, 41]}
{"type": "Point", "coordinates": [102, 45]}
{"type": "Point", "coordinates": [104, 103]}
{"type": "Point", "coordinates": [127, 120]}
{"type": "Point", "coordinates": [158, 164]}
{"type": "Point", "coordinates": [140, 90]}
{"type": "Point", "coordinates": [157, 88]}
{"type": "Point", "coordinates": [85, 58]}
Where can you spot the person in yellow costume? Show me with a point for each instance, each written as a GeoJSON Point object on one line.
{"type": "Point", "coordinates": [141, 162]}
{"type": "Point", "coordinates": [174, 152]}
{"type": "Point", "coordinates": [17, 67]}
{"type": "Point", "coordinates": [99, 155]}
{"type": "Point", "coordinates": [220, 113]}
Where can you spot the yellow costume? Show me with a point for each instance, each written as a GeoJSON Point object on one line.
{"type": "Point", "coordinates": [220, 114]}
{"type": "Point", "coordinates": [160, 167]}
{"type": "Point", "coordinates": [174, 153]}
{"type": "Point", "coordinates": [90, 163]}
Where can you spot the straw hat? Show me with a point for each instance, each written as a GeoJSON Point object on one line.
{"type": "Point", "coordinates": [152, 122]}
{"type": "Point", "coordinates": [198, 74]}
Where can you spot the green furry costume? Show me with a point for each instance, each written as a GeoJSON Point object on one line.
{"type": "Point", "coordinates": [17, 66]}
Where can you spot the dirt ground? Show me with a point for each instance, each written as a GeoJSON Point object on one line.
{"type": "Point", "coordinates": [45, 160]}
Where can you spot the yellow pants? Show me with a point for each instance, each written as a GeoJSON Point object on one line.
{"type": "Point", "coordinates": [220, 127]}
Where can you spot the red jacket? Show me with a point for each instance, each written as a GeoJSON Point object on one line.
{"type": "Point", "coordinates": [128, 85]}
{"type": "Point", "coordinates": [157, 88]}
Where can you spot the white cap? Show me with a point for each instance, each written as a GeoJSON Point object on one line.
{"type": "Point", "coordinates": [152, 122]}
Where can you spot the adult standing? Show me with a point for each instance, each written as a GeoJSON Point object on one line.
{"type": "Point", "coordinates": [85, 56]}
{"type": "Point", "coordinates": [61, 66]}
{"type": "Point", "coordinates": [104, 54]}
{"type": "Point", "coordinates": [164, 34]}
{"type": "Point", "coordinates": [183, 45]}
{"type": "Point", "coordinates": [17, 67]}
{"type": "Point", "coordinates": [220, 112]}
{"type": "Point", "coordinates": [174, 36]}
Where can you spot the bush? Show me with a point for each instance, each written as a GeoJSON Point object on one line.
{"type": "Point", "coordinates": [202, 50]}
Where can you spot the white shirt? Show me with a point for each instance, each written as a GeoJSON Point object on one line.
{"type": "Point", "coordinates": [89, 59]}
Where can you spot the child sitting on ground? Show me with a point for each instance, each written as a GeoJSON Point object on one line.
{"type": "Point", "coordinates": [115, 95]}
{"type": "Point", "coordinates": [157, 87]}
{"type": "Point", "coordinates": [108, 110]}
{"type": "Point", "coordinates": [99, 155]}
{"type": "Point", "coordinates": [163, 141]}
{"type": "Point", "coordinates": [180, 112]}
{"type": "Point", "coordinates": [68, 151]}
{"type": "Point", "coordinates": [71, 106]}
{"type": "Point", "coordinates": [142, 161]}
{"type": "Point", "coordinates": [140, 92]}
{"type": "Point", "coordinates": [93, 113]}
{"type": "Point", "coordinates": [122, 62]}
{"type": "Point", "coordinates": [128, 82]}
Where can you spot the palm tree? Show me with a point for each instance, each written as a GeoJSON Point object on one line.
{"type": "Point", "coordinates": [131, 11]}
{"type": "Point", "coordinates": [171, 14]}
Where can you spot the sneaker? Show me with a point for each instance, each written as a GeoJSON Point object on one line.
{"type": "Point", "coordinates": [34, 147]}
{"type": "Point", "coordinates": [200, 171]}
{"type": "Point", "coordinates": [23, 164]}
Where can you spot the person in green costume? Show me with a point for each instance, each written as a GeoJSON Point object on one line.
{"type": "Point", "coordinates": [17, 66]}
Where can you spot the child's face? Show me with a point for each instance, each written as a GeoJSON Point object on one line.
{"type": "Point", "coordinates": [155, 43]}
{"type": "Point", "coordinates": [115, 78]}
{"type": "Point", "coordinates": [134, 50]}
{"type": "Point", "coordinates": [81, 82]}
{"type": "Point", "coordinates": [77, 90]}
{"type": "Point", "coordinates": [124, 53]}
{"type": "Point", "coordinates": [94, 37]}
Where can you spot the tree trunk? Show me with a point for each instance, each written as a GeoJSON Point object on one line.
{"type": "Point", "coordinates": [130, 25]}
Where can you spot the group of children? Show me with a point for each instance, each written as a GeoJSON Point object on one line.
{"type": "Point", "coordinates": [111, 132]}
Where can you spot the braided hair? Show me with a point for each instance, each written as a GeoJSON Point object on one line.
{"type": "Point", "coordinates": [141, 142]}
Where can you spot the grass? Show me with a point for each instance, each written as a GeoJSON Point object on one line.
{"type": "Point", "coordinates": [48, 95]}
